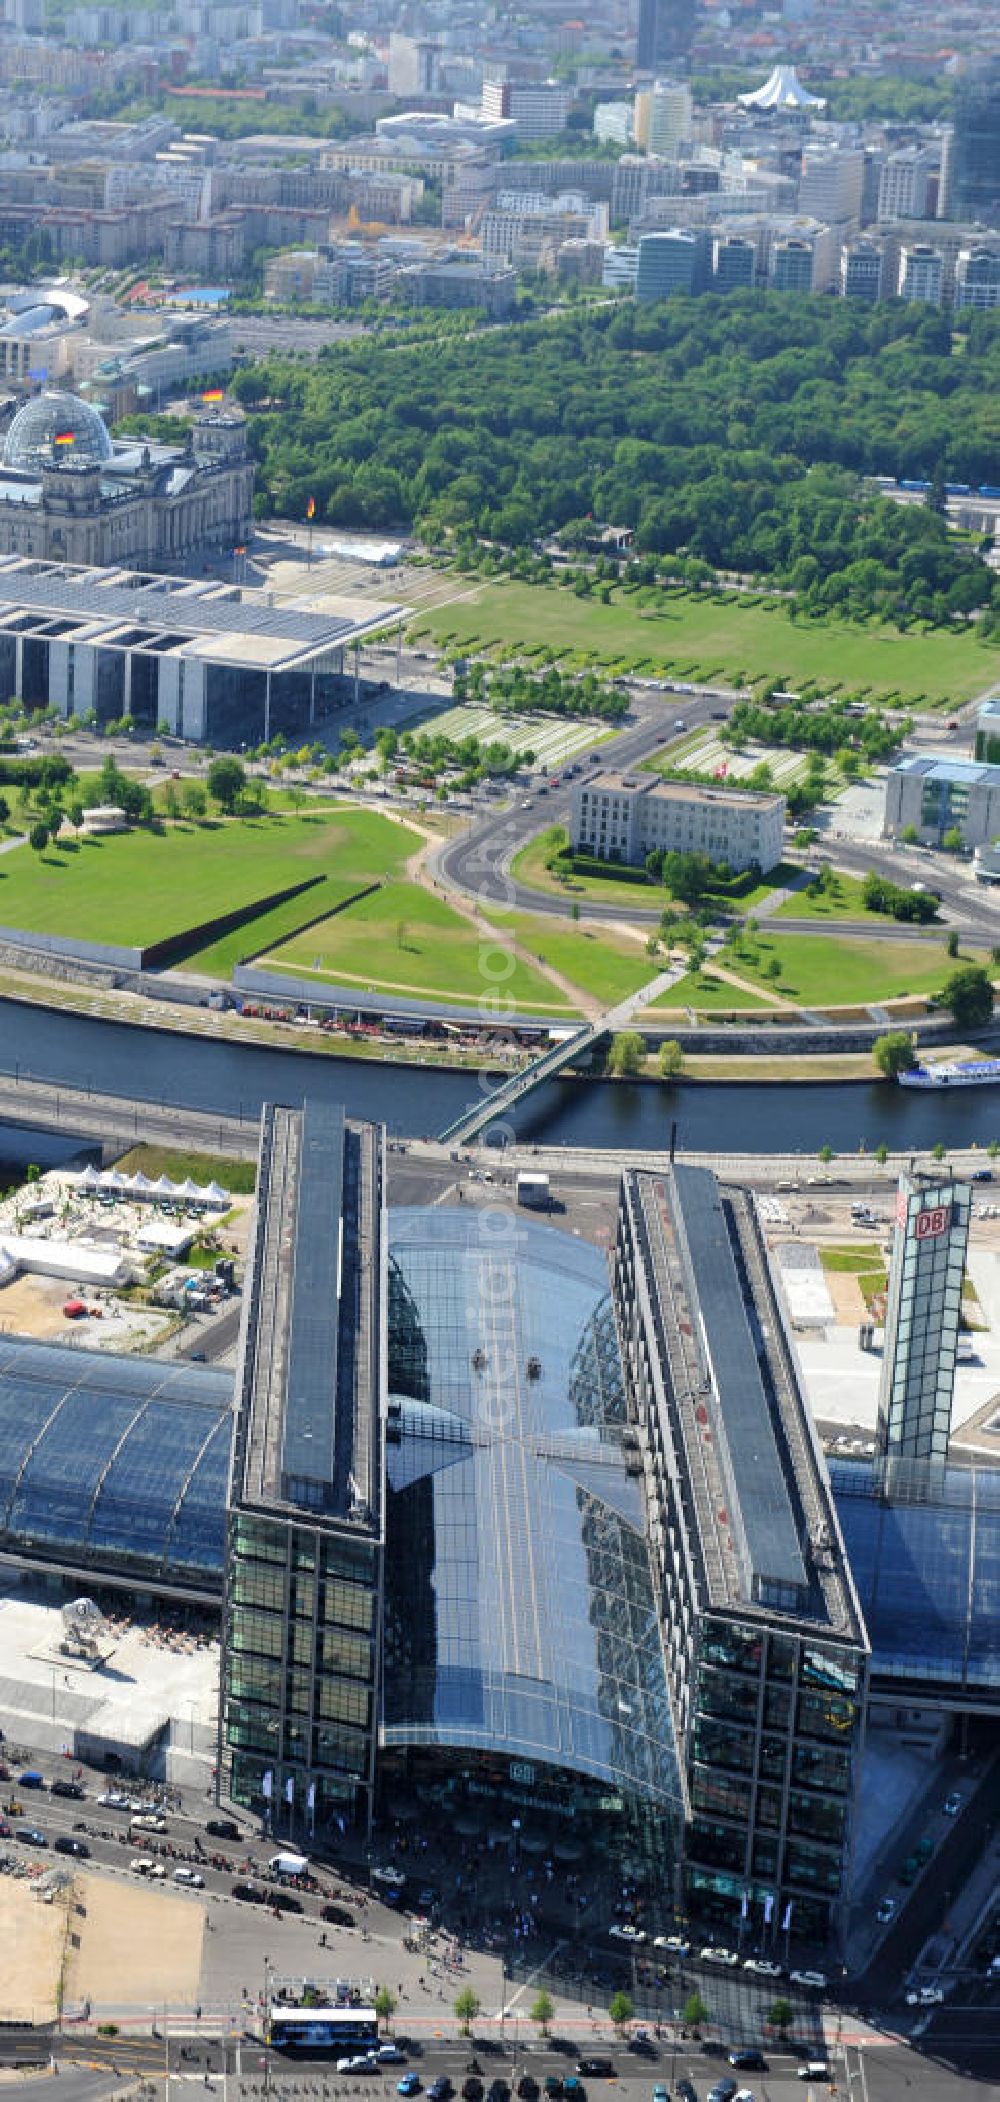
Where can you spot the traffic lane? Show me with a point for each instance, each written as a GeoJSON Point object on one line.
{"type": "Point", "coordinates": [924, 1910]}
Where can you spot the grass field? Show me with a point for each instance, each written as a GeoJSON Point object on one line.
{"type": "Point", "coordinates": [528, 867]}
{"type": "Point", "coordinates": [608, 967]}
{"type": "Point", "coordinates": [141, 887]}
{"type": "Point", "coordinates": [841, 901]}
{"type": "Point", "coordinates": [735, 641]}
{"type": "Point", "coordinates": [844, 971]}
{"type": "Point", "coordinates": [706, 994]}
{"type": "Point", "coordinates": [407, 940]}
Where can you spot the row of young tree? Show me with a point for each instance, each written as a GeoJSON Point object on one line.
{"type": "Point", "coordinates": [733, 430]}
{"type": "Point", "coordinates": [513, 690]}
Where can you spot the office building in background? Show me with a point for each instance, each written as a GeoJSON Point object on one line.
{"type": "Point", "coordinates": [665, 32]}
{"type": "Point", "coordinates": [923, 1309]}
{"type": "Point", "coordinates": [972, 172]}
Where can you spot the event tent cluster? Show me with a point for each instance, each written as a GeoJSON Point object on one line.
{"type": "Point", "coordinates": [139, 1188]}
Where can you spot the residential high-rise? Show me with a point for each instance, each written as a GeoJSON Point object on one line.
{"type": "Point", "coordinates": [792, 265]}
{"type": "Point", "coordinates": [977, 278]}
{"type": "Point", "coordinates": [904, 183]}
{"type": "Point", "coordinates": [734, 262]}
{"type": "Point", "coordinates": [973, 162]}
{"type": "Point", "coordinates": [832, 182]}
{"type": "Point", "coordinates": [921, 273]}
{"type": "Point", "coordinates": [670, 262]}
{"type": "Point", "coordinates": [861, 270]}
{"type": "Point", "coordinates": [922, 1318]}
{"type": "Point", "coordinates": [663, 117]}
{"type": "Point", "coordinates": [665, 32]}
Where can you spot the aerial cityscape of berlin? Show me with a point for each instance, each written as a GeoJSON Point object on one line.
{"type": "Point", "coordinates": [500, 1051]}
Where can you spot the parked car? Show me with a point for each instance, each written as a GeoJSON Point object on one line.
{"type": "Point", "coordinates": [675, 1943]}
{"type": "Point", "coordinates": [439, 2089]}
{"type": "Point", "coordinates": [70, 1788]}
{"type": "Point", "coordinates": [815, 1981]}
{"type": "Point", "coordinates": [31, 1836]}
{"type": "Point", "coordinates": [527, 2088]}
{"type": "Point", "coordinates": [634, 1935]}
{"type": "Point", "coordinates": [926, 1996]}
{"type": "Point", "coordinates": [65, 1845]}
{"type": "Point", "coordinates": [816, 2069]}
{"type": "Point", "coordinates": [887, 1911]}
{"type": "Point", "coordinates": [387, 2054]}
{"type": "Point", "coordinates": [762, 1967]}
{"type": "Point", "coordinates": [553, 2086]}
{"type": "Point", "coordinates": [338, 1916]}
{"type": "Point", "coordinates": [222, 1828]}
{"type": "Point", "coordinates": [409, 2085]}
{"type": "Point", "coordinates": [113, 1799]}
{"type": "Point", "coordinates": [596, 2068]}
{"type": "Point", "coordinates": [723, 2091]}
{"type": "Point", "coordinates": [686, 2091]}
{"type": "Point", "coordinates": [190, 1877]}
{"type": "Point", "coordinates": [748, 2061]}
{"type": "Point", "coordinates": [952, 1804]}
{"type": "Point", "coordinates": [31, 1778]}
{"type": "Point", "coordinates": [711, 1954]}
{"type": "Point", "coordinates": [472, 2089]}
{"type": "Point", "coordinates": [249, 1893]}
{"type": "Point", "coordinates": [498, 2091]}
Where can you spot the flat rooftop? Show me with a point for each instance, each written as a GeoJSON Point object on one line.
{"type": "Point", "coordinates": [613, 783]}
{"type": "Point", "coordinates": [968, 773]}
{"type": "Point", "coordinates": [308, 1381]}
{"type": "Point", "coordinates": [119, 609]}
{"type": "Point", "coordinates": [756, 1483]}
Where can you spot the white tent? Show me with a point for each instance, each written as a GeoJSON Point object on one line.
{"type": "Point", "coordinates": [188, 1189]}
{"type": "Point", "coordinates": [163, 1187]}
{"type": "Point", "coordinates": [112, 1179]}
{"type": "Point", "coordinates": [782, 90]}
{"type": "Point", "coordinates": [141, 1184]}
{"type": "Point", "coordinates": [215, 1194]}
{"type": "Point", "coordinates": [89, 1180]}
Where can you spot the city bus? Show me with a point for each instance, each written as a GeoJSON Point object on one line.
{"type": "Point", "coordinates": [339, 2030]}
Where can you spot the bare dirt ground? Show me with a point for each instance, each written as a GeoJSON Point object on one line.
{"type": "Point", "coordinates": [132, 1945]}
{"type": "Point", "coordinates": [32, 1937]}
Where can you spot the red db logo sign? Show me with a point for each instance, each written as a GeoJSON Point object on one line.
{"type": "Point", "coordinates": [930, 1224]}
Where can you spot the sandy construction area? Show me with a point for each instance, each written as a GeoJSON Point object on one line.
{"type": "Point", "coordinates": [32, 1937]}
{"type": "Point", "coordinates": [133, 1946]}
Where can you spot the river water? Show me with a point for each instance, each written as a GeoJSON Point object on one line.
{"type": "Point", "coordinates": [414, 1101]}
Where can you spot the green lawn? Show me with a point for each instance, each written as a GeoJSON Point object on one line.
{"type": "Point", "coordinates": [528, 867]}
{"type": "Point", "coordinates": [707, 994]}
{"type": "Point", "coordinates": [843, 971]}
{"type": "Point", "coordinates": [730, 640]}
{"type": "Point", "coordinates": [407, 940]}
{"type": "Point", "coordinates": [841, 901]}
{"type": "Point", "coordinates": [605, 966]}
{"type": "Point", "coordinates": [140, 887]}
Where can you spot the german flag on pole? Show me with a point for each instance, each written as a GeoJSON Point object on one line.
{"type": "Point", "coordinates": [64, 438]}
{"type": "Point", "coordinates": [311, 507]}
{"type": "Point", "coordinates": [214, 394]}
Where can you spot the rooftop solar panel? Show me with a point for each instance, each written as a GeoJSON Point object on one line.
{"type": "Point", "coordinates": [309, 1449]}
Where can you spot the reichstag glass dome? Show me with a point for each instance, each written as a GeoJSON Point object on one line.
{"type": "Point", "coordinates": [55, 427]}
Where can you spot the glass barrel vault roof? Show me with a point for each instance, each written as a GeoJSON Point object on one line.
{"type": "Point", "coordinates": [520, 1613]}
{"type": "Point", "coordinates": [113, 1461]}
{"type": "Point", "coordinates": [926, 1562]}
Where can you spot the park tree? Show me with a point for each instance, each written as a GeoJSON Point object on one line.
{"type": "Point", "coordinates": [385, 2003]}
{"type": "Point", "coordinates": [780, 2016]}
{"type": "Point", "coordinates": [881, 1153]}
{"type": "Point", "coordinates": [626, 1054]}
{"type": "Point", "coordinates": [952, 840]}
{"type": "Point", "coordinates": [621, 2008]}
{"type": "Point", "coordinates": [543, 2008]}
{"type": "Point", "coordinates": [4, 811]}
{"type": "Point", "coordinates": [968, 996]}
{"type": "Point", "coordinates": [952, 942]}
{"type": "Point", "coordinates": [893, 1053]}
{"type": "Point", "coordinates": [670, 1060]}
{"type": "Point", "coordinates": [38, 837]}
{"type": "Point", "coordinates": [825, 1153]}
{"type": "Point", "coordinates": [226, 781]}
{"type": "Point", "coordinates": [467, 2006]}
{"type": "Point", "coordinates": [194, 799]}
{"type": "Point", "coordinates": [695, 2012]}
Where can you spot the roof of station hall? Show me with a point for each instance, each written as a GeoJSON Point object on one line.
{"type": "Point", "coordinates": [519, 1602]}
{"type": "Point", "coordinates": [114, 1462]}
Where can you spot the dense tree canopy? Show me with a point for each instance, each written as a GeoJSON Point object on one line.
{"type": "Point", "coordinates": [731, 430]}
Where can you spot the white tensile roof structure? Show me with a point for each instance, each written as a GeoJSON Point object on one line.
{"type": "Point", "coordinates": [783, 90]}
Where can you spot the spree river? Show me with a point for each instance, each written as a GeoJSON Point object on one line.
{"type": "Point", "coordinates": [417, 1102]}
